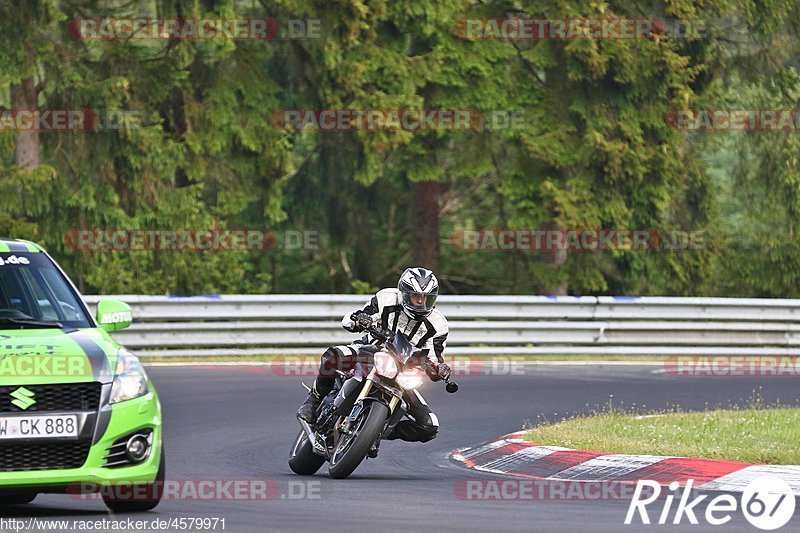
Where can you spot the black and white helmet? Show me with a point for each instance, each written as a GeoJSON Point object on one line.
{"type": "Point", "coordinates": [418, 291]}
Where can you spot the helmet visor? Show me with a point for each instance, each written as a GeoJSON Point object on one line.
{"type": "Point", "coordinates": [419, 301]}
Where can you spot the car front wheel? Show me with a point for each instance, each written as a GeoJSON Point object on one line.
{"type": "Point", "coordinates": [16, 498]}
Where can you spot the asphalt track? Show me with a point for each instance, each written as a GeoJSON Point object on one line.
{"type": "Point", "coordinates": [237, 423]}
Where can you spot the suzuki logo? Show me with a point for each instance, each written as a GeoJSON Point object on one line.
{"type": "Point", "coordinates": [23, 398]}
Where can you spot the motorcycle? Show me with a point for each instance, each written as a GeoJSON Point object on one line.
{"type": "Point", "coordinates": [364, 405]}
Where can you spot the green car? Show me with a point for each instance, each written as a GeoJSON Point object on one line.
{"type": "Point", "coordinates": [78, 413]}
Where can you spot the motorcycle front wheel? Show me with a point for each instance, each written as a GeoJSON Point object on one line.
{"type": "Point", "coordinates": [351, 449]}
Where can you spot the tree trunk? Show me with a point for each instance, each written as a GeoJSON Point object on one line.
{"type": "Point", "coordinates": [557, 83]}
{"type": "Point", "coordinates": [556, 257]}
{"type": "Point", "coordinates": [425, 248]}
{"type": "Point", "coordinates": [23, 97]}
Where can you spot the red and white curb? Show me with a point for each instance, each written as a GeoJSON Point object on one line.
{"type": "Point", "coordinates": [513, 456]}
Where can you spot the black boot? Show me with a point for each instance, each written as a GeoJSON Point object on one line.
{"type": "Point", "coordinates": [308, 411]}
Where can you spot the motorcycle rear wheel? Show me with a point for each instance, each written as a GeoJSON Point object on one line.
{"type": "Point", "coordinates": [302, 459]}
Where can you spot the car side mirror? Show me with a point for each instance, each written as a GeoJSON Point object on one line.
{"type": "Point", "coordinates": [113, 315]}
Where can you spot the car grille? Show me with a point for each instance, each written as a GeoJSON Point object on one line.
{"type": "Point", "coordinates": [20, 457]}
{"type": "Point", "coordinates": [65, 397]}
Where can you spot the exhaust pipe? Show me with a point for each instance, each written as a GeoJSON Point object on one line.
{"type": "Point", "coordinates": [312, 437]}
{"type": "Point", "coordinates": [307, 428]}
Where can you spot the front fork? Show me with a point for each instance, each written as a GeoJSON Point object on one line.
{"type": "Point", "coordinates": [393, 404]}
{"type": "Point", "coordinates": [359, 403]}
{"type": "Point", "coordinates": [368, 387]}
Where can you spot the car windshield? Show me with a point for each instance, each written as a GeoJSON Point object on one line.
{"type": "Point", "coordinates": [35, 294]}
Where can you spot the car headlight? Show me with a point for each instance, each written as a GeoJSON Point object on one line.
{"type": "Point", "coordinates": [410, 379]}
{"type": "Point", "coordinates": [385, 365]}
{"type": "Point", "coordinates": [130, 379]}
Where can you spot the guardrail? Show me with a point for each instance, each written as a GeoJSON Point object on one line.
{"type": "Point", "coordinates": [235, 325]}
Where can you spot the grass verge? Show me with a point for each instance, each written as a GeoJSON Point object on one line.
{"type": "Point", "coordinates": [754, 434]}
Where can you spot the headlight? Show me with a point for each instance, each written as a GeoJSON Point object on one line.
{"type": "Point", "coordinates": [385, 365]}
{"type": "Point", "coordinates": [410, 379]}
{"type": "Point", "coordinates": [130, 380]}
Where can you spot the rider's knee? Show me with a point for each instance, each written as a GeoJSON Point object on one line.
{"type": "Point", "coordinates": [366, 354]}
{"type": "Point", "coordinates": [329, 361]}
{"type": "Point", "coordinates": [428, 427]}
{"type": "Point", "coordinates": [332, 354]}
{"type": "Point", "coordinates": [427, 432]}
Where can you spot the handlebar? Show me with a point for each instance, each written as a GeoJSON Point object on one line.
{"type": "Point", "coordinates": [384, 334]}
{"type": "Point", "coordinates": [450, 386]}
{"type": "Point", "coordinates": [373, 329]}
{"type": "Point", "coordinates": [380, 333]}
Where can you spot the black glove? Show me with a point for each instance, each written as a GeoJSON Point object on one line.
{"type": "Point", "coordinates": [443, 371]}
{"type": "Point", "coordinates": [361, 320]}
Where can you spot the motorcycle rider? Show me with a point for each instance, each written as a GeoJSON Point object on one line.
{"type": "Point", "coordinates": [408, 308]}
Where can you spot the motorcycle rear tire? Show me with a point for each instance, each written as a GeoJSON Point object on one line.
{"type": "Point", "coordinates": [302, 459]}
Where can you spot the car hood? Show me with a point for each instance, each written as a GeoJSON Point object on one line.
{"type": "Point", "coordinates": [39, 356]}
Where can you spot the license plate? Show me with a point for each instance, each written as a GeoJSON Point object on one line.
{"type": "Point", "coordinates": [38, 427]}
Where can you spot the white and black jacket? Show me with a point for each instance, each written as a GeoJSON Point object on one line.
{"type": "Point", "coordinates": [429, 335]}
